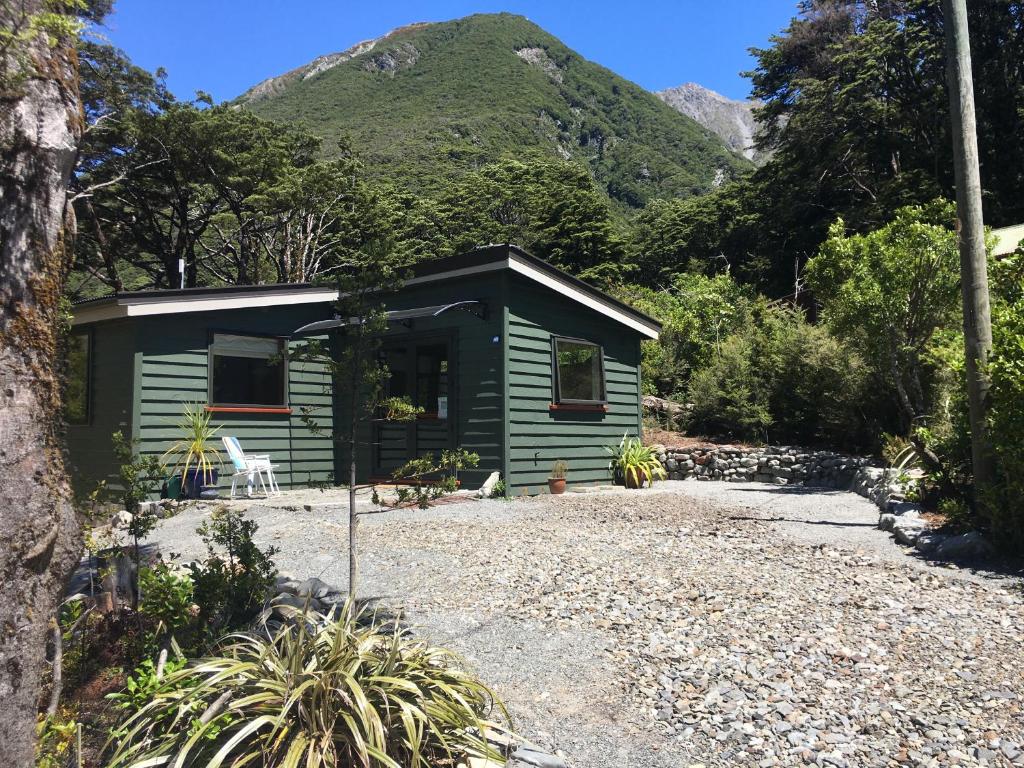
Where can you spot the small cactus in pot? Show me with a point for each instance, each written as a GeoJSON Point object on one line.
{"type": "Point", "coordinates": [556, 482]}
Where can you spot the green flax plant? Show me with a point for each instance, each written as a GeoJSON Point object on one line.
{"type": "Point", "coordinates": [320, 691]}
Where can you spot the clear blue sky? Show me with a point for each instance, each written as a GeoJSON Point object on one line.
{"type": "Point", "coordinates": [225, 46]}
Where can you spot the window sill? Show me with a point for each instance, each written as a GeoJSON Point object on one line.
{"type": "Point", "coordinates": [246, 409]}
{"type": "Point", "coordinates": [584, 407]}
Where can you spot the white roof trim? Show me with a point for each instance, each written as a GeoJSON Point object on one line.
{"type": "Point", "coordinates": [139, 306]}
{"type": "Point", "coordinates": [129, 306]}
{"type": "Point", "coordinates": [564, 287]}
{"type": "Point", "coordinates": [1007, 239]}
{"type": "Point", "coordinates": [526, 269]}
{"type": "Point", "coordinates": [491, 266]}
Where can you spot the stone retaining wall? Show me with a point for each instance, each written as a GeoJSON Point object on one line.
{"type": "Point", "coordinates": [784, 465]}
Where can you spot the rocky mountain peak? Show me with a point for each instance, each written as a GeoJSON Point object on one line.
{"type": "Point", "coordinates": [730, 119]}
{"type": "Point", "coordinates": [404, 54]}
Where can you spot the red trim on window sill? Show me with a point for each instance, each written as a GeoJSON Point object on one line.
{"type": "Point", "coordinates": [233, 409]}
{"type": "Point", "coordinates": [598, 408]}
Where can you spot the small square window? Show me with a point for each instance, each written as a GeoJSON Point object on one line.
{"type": "Point", "coordinates": [578, 371]}
{"type": "Point", "coordinates": [248, 371]}
{"type": "Point", "coordinates": [78, 388]}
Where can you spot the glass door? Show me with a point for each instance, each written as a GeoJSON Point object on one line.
{"type": "Point", "coordinates": [418, 370]}
{"type": "Point", "coordinates": [432, 426]}
{"type": "Point", "coordinates": [393, 441]}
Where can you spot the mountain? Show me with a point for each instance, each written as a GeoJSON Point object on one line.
{"type": "Point", "coordinates": [428, 101]}
{"type": "Point", "coordinates": [730, 119]}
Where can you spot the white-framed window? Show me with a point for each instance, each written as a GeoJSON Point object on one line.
{"type": "Point", "coordinates": [247, 370]}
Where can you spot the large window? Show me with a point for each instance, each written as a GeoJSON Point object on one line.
{"type": "Point", "coordinates": [579, 371]}
{"type": "Point", "coordinates": [79, 381]}
{"type": "Point", "coordinates": [248, 371]}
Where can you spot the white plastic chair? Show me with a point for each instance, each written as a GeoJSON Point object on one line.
{"type": "Point", "coordinates": [252, 468]}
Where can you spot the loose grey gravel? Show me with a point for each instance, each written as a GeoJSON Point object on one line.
{"type": "Point", "coordinates": [688, 626]}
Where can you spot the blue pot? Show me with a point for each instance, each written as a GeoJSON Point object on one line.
{"type": "Point", "coordinates": [195, 483]}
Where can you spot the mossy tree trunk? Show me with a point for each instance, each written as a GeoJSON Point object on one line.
{"type": "Point", "coordinates": [40, 126]}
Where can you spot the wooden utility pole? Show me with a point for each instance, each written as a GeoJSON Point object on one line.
{"type": "Point", "coordinates": [973, 269]}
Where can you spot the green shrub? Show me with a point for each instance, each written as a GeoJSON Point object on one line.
{"type": "Point", "coordinates": [727, 396]}
{"type": "Point", "coordinates": [336, 695]}
{"type": "Point", "coordinates": [167, 601]}
{"type": "Point", "coordinates": [231, 586]}
{"type": "Point", "coordinates": [817, 387]}
{"type": "Point", "coordinates": [783, 379]}
{"type": "Point", "coordinates": [888, 292]}
{"type": "Point", "coordinates": [430, 479]}
{"type": "Point", "coordinates": [633, 463]}
{"type": "Point", "coordinates": [55, 739]}
{"type": "Point", "coordinates": [696, 313]}
{"type": "Point", "coordinates": [144, 683]}
{"type": "Point", "coordinates": [1005, 510]}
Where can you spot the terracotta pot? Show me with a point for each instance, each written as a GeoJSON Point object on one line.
{"type": "Point", "coordinates": [633, 480]}
{"type": "Point", "coordinates": [556, 485]}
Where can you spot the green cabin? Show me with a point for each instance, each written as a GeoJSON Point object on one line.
{"type": "Point", "coordinates": [507, 356]}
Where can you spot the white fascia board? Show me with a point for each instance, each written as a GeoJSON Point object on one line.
{"type": "Point", "coordinates": [595, 303]}
{"type": "Point", "coordinates": [143, 307]}
{"type": "Point", "coordinates": [564, 287]}
{"type": "Point", "coordinates": [96, 314]}
{"type": "Point", "coordinates": [492, 266]}
{"type": "Point", "coordinates": [1007, 239]}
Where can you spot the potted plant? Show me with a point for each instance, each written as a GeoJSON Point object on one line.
{"type": "Point", "coordinates": [556, 483]}
{"type": "Point", "coordinates": [634, 463]}
{"type": "Point", "coordinates": [196, 454]}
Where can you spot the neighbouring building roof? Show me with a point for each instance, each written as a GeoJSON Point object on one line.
{"type": "Point", "coordinates": [1007, 239]}
{"type": "Point", "coordinates": [489, 258]}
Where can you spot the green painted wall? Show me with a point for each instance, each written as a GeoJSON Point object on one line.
{"type": "Point", "coordinates": [539, 436]}
{"type": "Point", "coordinates": [500, 386]}
{"type": "Point", "coordinates": [475, 374]}
{"type": "Point", "coordinates": [173, 372]}
{"type": "Point", "coordinates": [110, 405]}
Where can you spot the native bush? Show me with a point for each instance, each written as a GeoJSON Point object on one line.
{"type": "Point", "coordinates": [430, 479]}
{"type": "Point", "coordinates": [697, 313]}
{"type": "Point", "coordinates": [727, 397]}
{"type": "Point", "coordinates": [336, 693]}
{"type": "Point", "coordinates": [232, 584]}
{"type": "Point", "coordinates": [145, 681]}
{"type": "Point", "coordinates": [55, 739]}
{"type": "Point", "coordinates": [784, 379]}
{"type": "Point", "coordinates": [167, 602]}
{"type": "Point", "coordinates": [817, 387]}
{"type": "Point", "coordinates": [1005, 510]}
{"type": "Point", "coordinates": [888, 292]}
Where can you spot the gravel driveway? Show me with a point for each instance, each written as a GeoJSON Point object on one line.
{"type": "Point", "coordinates": [700, 623]}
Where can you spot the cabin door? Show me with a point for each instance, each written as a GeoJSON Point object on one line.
{"type": "Point", "coordinates": [419, 371]}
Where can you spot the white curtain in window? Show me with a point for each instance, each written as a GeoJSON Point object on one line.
{"type": "Point", "coordinates": [230, 345]}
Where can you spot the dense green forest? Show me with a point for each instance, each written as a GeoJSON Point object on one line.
{"type": "Point", "coordinates": [814, 299]}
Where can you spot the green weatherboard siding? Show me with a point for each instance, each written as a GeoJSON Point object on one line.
{"type": "Point", "coordinates": [499, 387]}
{"type": "Point", "coordinates": [539, 436]}
{"type": "Point", "coordinates": [475, 413]}
{"type": "Point", "coordinates": [145, 370]}
{"type": "Point", "coordinates": [174, 360]}
{"type": "Point", "coordinates": [110, 405]}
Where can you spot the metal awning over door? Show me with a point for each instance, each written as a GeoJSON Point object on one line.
{"type": "Point", "coordinates": [403, 316]}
